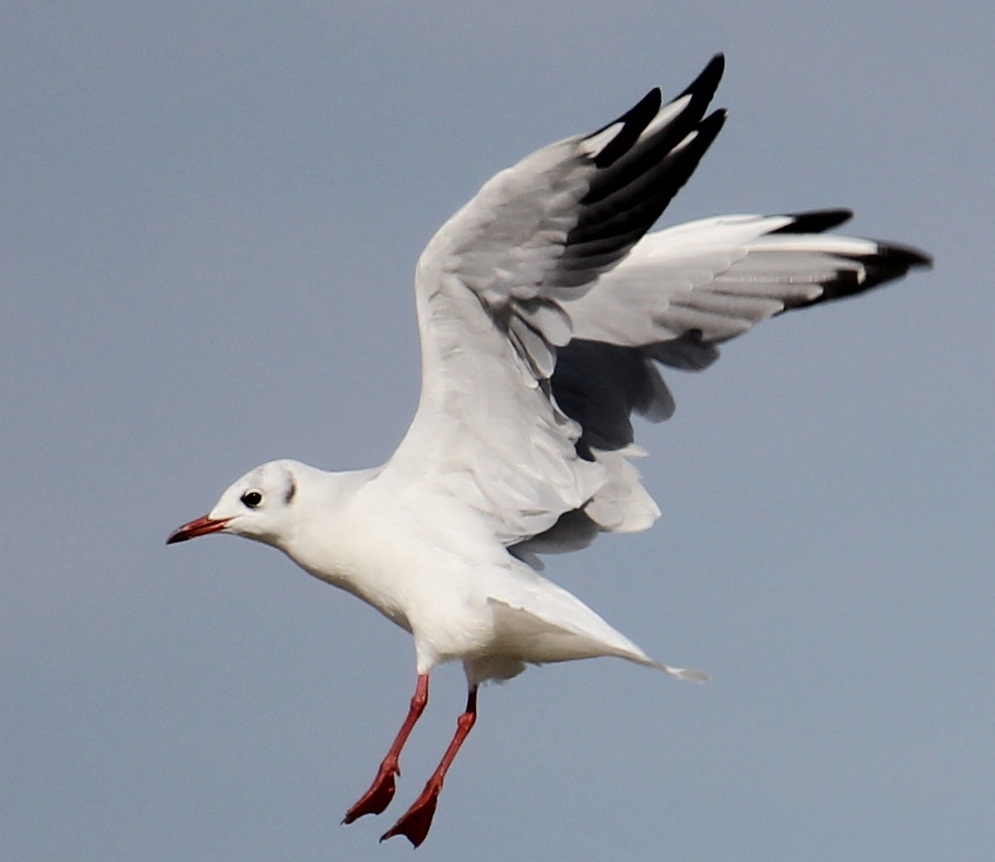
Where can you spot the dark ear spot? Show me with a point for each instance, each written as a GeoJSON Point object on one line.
{"type": "Point", "coordinates": [290, 491]}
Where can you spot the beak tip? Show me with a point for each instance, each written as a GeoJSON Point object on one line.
{"type": "Point", "coordinates": [201, 527]}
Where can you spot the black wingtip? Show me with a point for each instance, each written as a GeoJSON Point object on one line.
{"type": "Point", "coordinates": [637, 118]}
{"type": "Point", "coordinates": [710, 127]}
{"type": "Point", "coordinates": [634, 123]}
{"type": "Point", "coordinates": [906, 256]}
{"type": "Point", "coordinates": [894, 256]}
{"type": "Point", "coordinates": [708, 80]}
{"type": "Point", "coordinates": [889, 262]}
{"type": "Point", "coordinates": [815, 221]}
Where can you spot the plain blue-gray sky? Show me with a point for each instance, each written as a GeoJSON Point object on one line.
{"type": "Point", "coordinates": [210, 216]}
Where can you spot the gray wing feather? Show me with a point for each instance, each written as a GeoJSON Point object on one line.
{"type": "Point", "coordinates": [494, 289]}
{"type": "Point", "coordinates": [545, 308]}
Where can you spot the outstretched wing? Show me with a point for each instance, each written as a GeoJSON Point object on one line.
{"type": "Point", "coordinates": [684, 290]}
{"type": "Point", "coordinates": [542, 309]}
{"type": "Point", "coordinates": [493, 290]}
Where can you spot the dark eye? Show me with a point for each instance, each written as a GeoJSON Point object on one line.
{"type": "Point", "coordinates": [252, 499]}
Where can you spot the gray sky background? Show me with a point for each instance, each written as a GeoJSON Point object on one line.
{"type": "Point", "coordinates": [210, 217]}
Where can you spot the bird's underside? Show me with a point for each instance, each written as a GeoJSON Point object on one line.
{"type": "Point", "coordinates": [546, 311]}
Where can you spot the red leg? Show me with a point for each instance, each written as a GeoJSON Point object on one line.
{"type": "Point", "coordinates": [378, 797]}
{"type": "Point", "coordinates": [415, 822]}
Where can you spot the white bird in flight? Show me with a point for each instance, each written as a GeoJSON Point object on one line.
{"type": "Point", "coordinates": [545, 309]}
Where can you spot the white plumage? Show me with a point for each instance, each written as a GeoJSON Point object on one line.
{"type": "Point", "coordinates": [544, 311]}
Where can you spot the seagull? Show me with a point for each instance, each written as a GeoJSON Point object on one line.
{"type": "Point", "coordinates": [545, 310]}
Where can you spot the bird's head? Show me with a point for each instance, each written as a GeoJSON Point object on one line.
{"type": "Point", "coordinates": [258, 506]}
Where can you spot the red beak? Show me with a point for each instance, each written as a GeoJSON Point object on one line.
{"type": "Point", "coordinates": [200, 527]}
